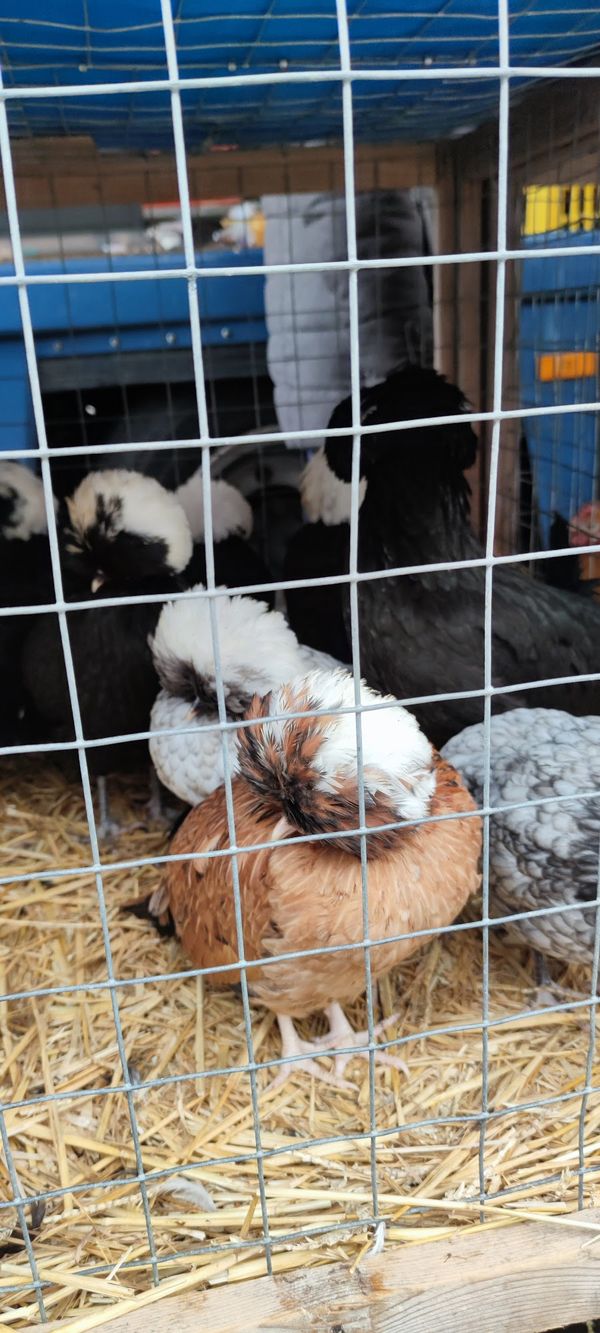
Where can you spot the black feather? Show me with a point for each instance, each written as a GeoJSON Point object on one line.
{"type": "Point", "coordinates": [181, 680]}
{"type": "Point", "coordinates": [405, 395]}
{"type": "Point", "coordinates": [25, 580]}
{"type": "Point", "coordinates": [318, 615]}
{"type": "Point", "coordinates": [140, 908]}
{"type": "Point", "coordinates": [115, 675]}
{"type": "Point", "coordinates": [237, 565]}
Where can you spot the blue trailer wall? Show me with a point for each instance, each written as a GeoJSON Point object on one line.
{"type": "Point", "coordinates": [560, 312]}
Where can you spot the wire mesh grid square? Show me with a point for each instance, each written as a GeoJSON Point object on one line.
{"type": "Point", "coordinates": [356, 80]}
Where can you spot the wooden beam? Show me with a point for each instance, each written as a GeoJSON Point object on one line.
{"type": "Point", "coordinates": [525, 1278]}
{"type": "Point", "coordinates": [460, 294]}
{"type": "Point", "coordinates": [53, 173]}
{"type": "Point", "coordinates": [553, 135]}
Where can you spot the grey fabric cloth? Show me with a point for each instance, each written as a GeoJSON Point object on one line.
{"type": "Point", "coordinates": [307, 314]}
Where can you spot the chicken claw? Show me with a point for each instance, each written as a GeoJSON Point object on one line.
{"type": "Point", "coordinates": [293, 1045]}
{"type": "Point", "coordinates": [341, 1033]}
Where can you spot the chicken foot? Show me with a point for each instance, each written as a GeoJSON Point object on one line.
{"type": "Point", "coordinates": [303, 1053]}
{"type": "Point", "coordinates": [341, 1033]}
{"type": "Point", "coordinates": [547, 993]}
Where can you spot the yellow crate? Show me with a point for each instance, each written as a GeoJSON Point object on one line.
{"type": "Point", "coordinates": [550, 207]}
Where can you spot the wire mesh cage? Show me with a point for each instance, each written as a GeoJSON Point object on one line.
{"type": "Point", "coordinates": [219, 226]}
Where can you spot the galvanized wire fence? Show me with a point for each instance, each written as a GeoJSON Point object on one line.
{"type": "Point", "coordinates": [344, 74]}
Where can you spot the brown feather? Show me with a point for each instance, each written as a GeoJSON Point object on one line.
{"type": "Point", "coordinates": [286, 780]}
{"type": "Point", "coordinates": [308, 895]}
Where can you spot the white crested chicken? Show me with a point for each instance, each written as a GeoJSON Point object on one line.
{"type": "Point", "coordinates": [258, 652]}
{"type": "Point", "coordinates": [122, 535]}
{"type": "Point", "coordinates": [237, 563]}
{"type": "Point", "coordinates": [298, 776]}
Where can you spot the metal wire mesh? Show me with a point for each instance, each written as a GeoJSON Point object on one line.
{"type": "Point", "coordinates": [290, 52]}
{"type": "Point", "coordinates": [342, 63]}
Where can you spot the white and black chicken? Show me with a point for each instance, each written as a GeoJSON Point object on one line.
{"type": "Point", "coordinates": [541, 856]}
{"type": "Point", "coordinates": [124, 535]}
{"type": "Point", "coordinates": [258, 652]}
{"type": "Point", "coordinates": [423, 633]}
{"type": "Point", "coordinates": [237, 563]}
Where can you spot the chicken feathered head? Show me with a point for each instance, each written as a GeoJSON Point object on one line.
{"type": "Point", "coordinates": [231, 513]}
{"type": "Point", "coordinates": [304, 770]}
{"type": "Point", "coordinates": [257, 650]}
{"type": "Point", "coordinates": [22, 508]}
{"type": "Point", "coordinates": [406, 395]}
{"type": "Point", "coordinates": [124, 530]}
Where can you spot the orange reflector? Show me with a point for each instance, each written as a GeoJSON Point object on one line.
{"type": "Point", "coordinates": [567, 365]}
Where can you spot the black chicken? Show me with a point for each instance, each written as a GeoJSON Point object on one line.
{"type": "Point", "coordinates": [25, 580]}
{"type": "Point", "coordinates": [124, 536]}
{"type": "Point", "coordinates": [321, 549]}
{"type": "Point", "coordinates": [423, 634]}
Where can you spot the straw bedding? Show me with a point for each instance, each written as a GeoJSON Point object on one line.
{"type": "Point", "coordinates": [50, 935]}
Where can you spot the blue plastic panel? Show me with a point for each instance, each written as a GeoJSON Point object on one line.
{"type": "Point", "coordinates": [99, 41]}
{"type": "Point", "coordinates": [560, 312]}
{"type": "Point", "coordinates": [73, 319]}
{"type": "Point", "coordinates": [71, 307]}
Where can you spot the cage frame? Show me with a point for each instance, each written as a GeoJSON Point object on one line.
{"type": "Point", "coordinates": [556, 1254]}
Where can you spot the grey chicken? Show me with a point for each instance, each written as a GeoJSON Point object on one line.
{"type": "Point", "coordinates": [541, 856]}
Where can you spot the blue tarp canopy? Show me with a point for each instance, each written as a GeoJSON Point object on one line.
{"type": "Point", "coordinates": [78, 43]}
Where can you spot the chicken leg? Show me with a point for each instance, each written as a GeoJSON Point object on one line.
{"type": "Point", "coordinates": [106, 827]}
{"type": "Point", "coordinates": [547, 993]}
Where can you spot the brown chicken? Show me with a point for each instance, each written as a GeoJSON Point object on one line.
{"type": "Point", "coordinates": [299, 776]}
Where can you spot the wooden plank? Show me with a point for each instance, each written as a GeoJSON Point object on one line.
{"type": "Point", "coordinates": [58, 173]}
{"type": "Point", "coordinates": [459, 292]}
{"type": "Point", "coordinates": [522, 1279]}
{"type": "Point", "coordinates": [553, 135]}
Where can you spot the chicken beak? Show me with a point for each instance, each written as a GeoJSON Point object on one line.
{"type": "Point", "coordinates": [97, 582]}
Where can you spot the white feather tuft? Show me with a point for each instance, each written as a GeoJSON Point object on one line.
{"type": "Point", "coordinates": [325, 498]}
{"type": "Point", "coordinates": [147, 510]}
{"type": "Point", "coordinates": [231, 513]}
{"type": "Point", "coordinates": [397, 757]}
{"type": "Point", "coordinates": [28, 517]}
{"type": "Point", "coordinates": [258, 652]}
{"type": "Point", "coordinates": [189, 1191]}
{"type": "Point", "coordinates": [257, 647]}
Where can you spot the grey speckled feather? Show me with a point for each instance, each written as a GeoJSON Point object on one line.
{"type": "Point", "coordinates": [540, 856]}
